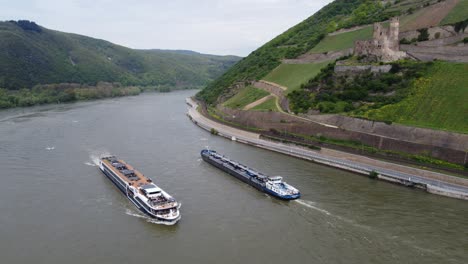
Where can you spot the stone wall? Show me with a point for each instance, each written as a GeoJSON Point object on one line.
{"type": "Point", "coordinates": [446, 53]}
{"type": "Point", "coordinates": [345, 69]}
{"type": "Point", "coordinates": [405, 133]}
{"type": "Point", "coordinates": [292, 124]}
{"type": "Point", "coordinates": [443, 41]}
{"type": "Point", "coordinates": [444, 32]}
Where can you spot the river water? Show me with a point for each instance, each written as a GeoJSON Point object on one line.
{"type": "Point", "coordinates": [57, 207]}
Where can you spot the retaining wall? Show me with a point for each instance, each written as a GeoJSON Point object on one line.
{"type": "Point", "coordinates": [444, 32]}
{"type": "Point", "coordinates": [344, 69]}
{"type": "Point", "coordinates": [295, 125]}
{"type": "Point", "coordinates": [405, 133]}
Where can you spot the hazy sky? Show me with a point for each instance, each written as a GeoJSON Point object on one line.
{"type": "Point", "coordinates": [208, 26]}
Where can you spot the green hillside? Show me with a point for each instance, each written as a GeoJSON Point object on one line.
{"type": "Point", "coordinates": [459, 13]}
{"type": "Point", "coordinates": [31, 55]}
{"type": "Point", "coordinates": [311, 34]}
{"type": "Point", "coordinates": [437, 100]}
{"type": "Point", "coordinates": [343, 41]}
{"type": "Point", "coordinates": [294, 75]}
{"type": "Point", "coordinates": [296, 41]}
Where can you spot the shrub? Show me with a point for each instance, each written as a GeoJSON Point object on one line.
{"type": "Point", "coordinates": [465, 40]}
{"type": "Point", "coordinates": [405, 41]}
{"type": "Point", "coordinates": [437, 35]}
{"type": "Point", "coordinates": [461, 26]}
{"type": "Point", "coordinates": [214, 131]}
{"type": "Point", "coordinates": [314, 147]}
{"type": "Point", "coordinates": [423, 34]}
{"type": "Point", "coordinates": [275, 131]}
{"type": "Point", "coordinates": [373, 175]}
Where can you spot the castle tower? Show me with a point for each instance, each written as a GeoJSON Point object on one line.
{"type": "Point", "coordinates": [394, 31]}
{"type": "Point", "coordinates": [378, 30]}
{"type": "Point", "coordinates": [385, 45]}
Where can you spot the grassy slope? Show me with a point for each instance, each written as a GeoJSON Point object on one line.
{"type": "Point", "coordinates": [245, 96]}
{"type": "Point", "coordinates": [459, 13]}
{"type": "Point", "coordinates": [293, 75]}
{"type": "Point", "coordinates": [343, 41]}
{"type": "Point", "coordinates": [269, 105]}
{"type": "Point", "coordinates": [29, 57]}
{"type": "Point", "coordinates": [438, 100]}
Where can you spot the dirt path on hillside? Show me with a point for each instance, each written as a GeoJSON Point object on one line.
{"type": "Point", "coordinates": [258, 102]}
{"type": "Point", "coordinates": [430, 16]}
{"type": "Point", "coordinates": [284, 88]}
{"type": "Point", "coordinates": [276, 90]}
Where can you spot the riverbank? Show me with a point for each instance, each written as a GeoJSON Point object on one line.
{"type": "Point", "coordinates": [73, 92]}
{"type": "Point", "coordinates": [429, 181]}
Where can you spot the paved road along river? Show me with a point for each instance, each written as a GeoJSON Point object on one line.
{"type": "Point", "coordinates": [56, 207]}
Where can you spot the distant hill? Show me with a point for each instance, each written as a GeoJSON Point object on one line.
{"type": "Point", "coordinates": [31, 55]}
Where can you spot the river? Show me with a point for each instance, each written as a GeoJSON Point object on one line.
{"type": "Point", "coordinates": [57, 207]}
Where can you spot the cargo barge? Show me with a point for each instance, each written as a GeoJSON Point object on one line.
{"type": "Point", "coordinates": [270, 185]}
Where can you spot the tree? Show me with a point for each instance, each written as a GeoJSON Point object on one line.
{"type": "Point", "coordinates": [423, 34]}
{"type": "Point", "coordinates": [373, 174]}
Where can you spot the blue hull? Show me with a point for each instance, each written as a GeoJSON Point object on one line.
{"type": "Point", "coordinates": [282, 197]}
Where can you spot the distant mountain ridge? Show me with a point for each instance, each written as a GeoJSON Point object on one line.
{"type": "Point", "coordinates": [31, 55]}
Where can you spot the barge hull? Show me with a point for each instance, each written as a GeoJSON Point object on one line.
{"type": "Point", "coordinates": [233, 173]}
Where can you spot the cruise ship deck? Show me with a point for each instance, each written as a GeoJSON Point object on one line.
{"type": "Point", "coordinates": [131, 176]}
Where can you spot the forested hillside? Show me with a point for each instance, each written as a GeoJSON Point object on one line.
{"type": "Point", "coordinates": [31, 55]}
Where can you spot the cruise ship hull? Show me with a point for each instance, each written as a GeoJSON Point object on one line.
{"type": "Point", "coordinates": [137, 202]}
{"type": "Point", "coordinates": [245, 178]}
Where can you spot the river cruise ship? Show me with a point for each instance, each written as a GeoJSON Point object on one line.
{"type": "Point", "coordinates": [274, 186]}
{"type": "Point", "coordinates": [141, 190]}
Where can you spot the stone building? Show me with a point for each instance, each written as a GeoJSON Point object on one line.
{"type": "Point", "coordinates": [384, 46]}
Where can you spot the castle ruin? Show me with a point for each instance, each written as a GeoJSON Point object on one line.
{"type": "Point", "coordinates": [384, 46]}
